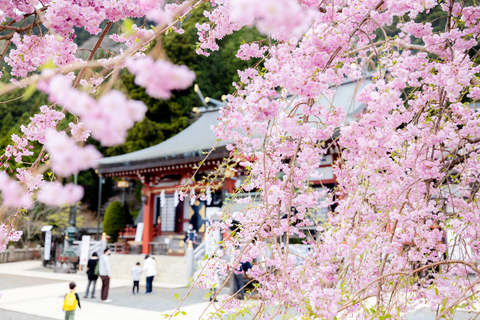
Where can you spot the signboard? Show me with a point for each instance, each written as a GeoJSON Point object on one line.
{"type": "Point", "coordinates": [139, 234]}
{"type": "Point", "coordinates": [48, 241]}
{"type": "Point", "coordinates": [84, 249]}
{"type": "Point", "coordinates": [48, 245]}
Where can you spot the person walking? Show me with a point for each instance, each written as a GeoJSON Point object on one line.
{"type": "Point", "coordinates": [92, 274]}
{"type": "Point", "coordinates": [240, 280]}
{"type": "Point", "coordinates": [136, 274]}
{"type": "Point", "coordinates": [191, 235]}
{"type": "Point", "coordinates": [150, 269]}
{"type": "Point", "coordinates": [70, 302]}
{"type": "Point", "coordinates": [105, 272]}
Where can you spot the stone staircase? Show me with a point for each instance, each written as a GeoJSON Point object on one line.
{"type": "Point", "coordinates": [172, 243]}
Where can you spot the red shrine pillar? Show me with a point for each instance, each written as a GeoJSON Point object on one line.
{"type": "Point", "coordinates": [147, 222]}
{"type": "Point", "coordinates": [230, 185]}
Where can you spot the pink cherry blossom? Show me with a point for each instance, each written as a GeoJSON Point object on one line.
{"type": "Point", "coordinates": [56, 194]}
{"type": "Point", "coordinates": [13, 194]}
{"type": "Point", "coordinates": [66, 156]}
{"type": "Point", "coordinates": [108, 119]}
{"type": "Point", "coordinates": [384, 88]}
{"type": "Point", "coordinates": [40, 123]}
{"type": "Point", "coordinates": [31, 180]}
{"type": "Point", "coordinates": [250, 50]}
{"type": "Point", "coordinates": [33, 51]}
{"type": "Point", "coordinates": [79, 132]}
{"type": "Point", "coordinates": [160, 77]}
{"type": "Point", "coordinates": [7, 234]}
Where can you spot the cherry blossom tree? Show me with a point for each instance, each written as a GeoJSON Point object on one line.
{"type": "Point", "coordinates": [404, 231]}
{"type": "Point", "coordinates": [40, 54]}
{"type": "Point", "coordinates": [404, 228]}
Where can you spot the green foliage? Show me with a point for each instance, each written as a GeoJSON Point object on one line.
{"type": "Point", "coordinates": [115, 220]}
{"type": "Point", "coordinates": [89, 181]}
{"type": "Point", "coordinates": [436, 16]}
{"type": "Point", "coordinates": [134, 213]}
{"type": "Point", "coordinates": [58, 218]}
{"type": "Point", "coordinates": [14, 111]}
{"type": "Point", "coordinates": [215, 73]}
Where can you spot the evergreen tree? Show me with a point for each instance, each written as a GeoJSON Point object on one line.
{"type": "Point", "coordinates": [115, 220]}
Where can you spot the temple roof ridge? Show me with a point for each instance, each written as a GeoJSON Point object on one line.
{"type": "Point", "coordinates": [190, 142]}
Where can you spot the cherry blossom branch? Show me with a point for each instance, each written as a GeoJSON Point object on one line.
{"type": "Point", "coordinates": [92, 53]}
{"type": "Point", "coordinates": [111, 63]}
{"type": "Point", "coordinates": [406, 272]}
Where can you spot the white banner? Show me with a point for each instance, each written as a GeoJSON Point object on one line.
{"type": "Point", "coordinates": [84, 248]}
{"type": "Point", "coordinates": [322, 173]}
{"type": "Point", "coordinates": [139, 234]}
{"type": "Point", "coordinates": [48, 245]}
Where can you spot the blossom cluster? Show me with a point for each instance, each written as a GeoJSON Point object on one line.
{"type": "Point", "coordinates": [8, 234]}
{"type": "Point", "coordinates": [66, 156]}
{"type": "Point", "coordinates": [407, 182]}
{"type": "Point", "coordinates": [15, 9]}
{"type": "Point", "coordinates": [108, 118]}
{"type": "Point", "coordinates": [250, 50]}
{"type": "Point", "coordinates": [39, 123]}
{"type": "Point", "coordinates": [56, 194]}
{"type": "Point", "coordinates": [33, 132]}
{"type": "Point", "coordinates": [33, 51]}
{"type": "Point", "coordinates": [13, 194]}
{"type": "Point", "coordinates": [63, 15]}
{"type": "Point", "coordinates": [40, 37]}
{"type": "Point", "coordinates": [160, 77]}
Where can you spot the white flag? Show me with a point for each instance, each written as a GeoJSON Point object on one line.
{"type": "Point", "coordinates": [163, 201]}
{"type": "Point", "coordinates": [175, 198]}
{"type": "Point", "coordinates": [192, 197]}
{"type": "Point", "coordinates": [209, 196]}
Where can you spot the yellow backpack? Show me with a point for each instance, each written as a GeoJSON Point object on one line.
{"type": "Point", "coordinates": [70, 303]}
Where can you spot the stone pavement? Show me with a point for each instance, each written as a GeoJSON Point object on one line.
{"type": "Point", "coordinates": [29, 292]}
{"type": "Point", "coordinates": [39, 296]}
{"type": "Point", "coordinates": [12, 281]}
{"type": "Point", "coordinates": [11, 315]}
{"type": "Point", "coordinates": [161, 300]}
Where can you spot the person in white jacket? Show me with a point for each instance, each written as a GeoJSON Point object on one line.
{"type": "Point", "coordinates": [150, 270]}
{"type": "Point", "coordinates": [104, 271]}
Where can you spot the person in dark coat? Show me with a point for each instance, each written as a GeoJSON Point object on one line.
{"type": "Point", "coordinates": [240, 280]}
{"type": "Point", "coordinates": [92, 274]}
{"type": "Point", "coordinates": [191, 234]}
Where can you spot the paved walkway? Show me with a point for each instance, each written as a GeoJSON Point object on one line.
{"type": "Point", "coordinates": [28, 293]}
{"type": "Point", "coordinates": [11, 315]}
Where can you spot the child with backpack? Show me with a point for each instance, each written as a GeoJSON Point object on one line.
{"type": "Point", "coordinates": [70, 303]}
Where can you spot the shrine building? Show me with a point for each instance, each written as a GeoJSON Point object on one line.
{"type": "Point", "coordinates": [164, 168]}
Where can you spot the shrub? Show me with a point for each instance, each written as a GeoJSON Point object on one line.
{"type": "Point", "coordinates": [114, 220]}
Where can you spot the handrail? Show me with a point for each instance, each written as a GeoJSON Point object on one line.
{"type": "Point", "coordinates": [199, 251]}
